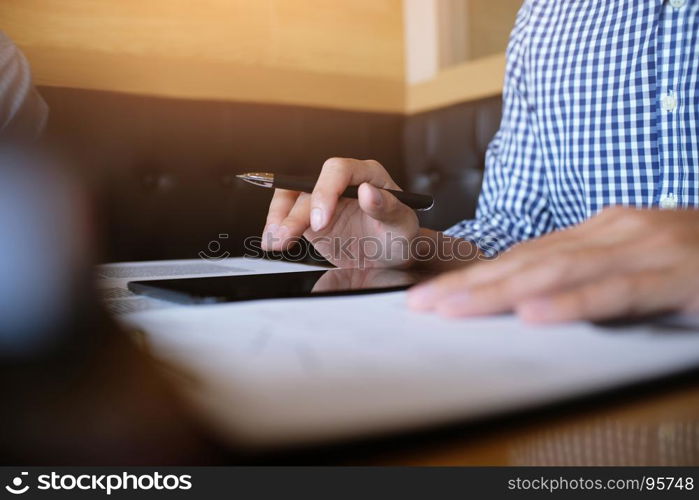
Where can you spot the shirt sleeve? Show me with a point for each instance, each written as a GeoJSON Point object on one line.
{"type": "Point", "coordinates": [23, 113]}
{"type": "Point", "coordinates": [513, 204]}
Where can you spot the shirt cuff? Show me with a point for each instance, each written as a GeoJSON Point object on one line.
{"type": "Point", "coordinates": [489, 239]}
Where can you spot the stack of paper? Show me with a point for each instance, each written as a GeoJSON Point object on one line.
{"type": "Point", "coordinates": [296, 370]}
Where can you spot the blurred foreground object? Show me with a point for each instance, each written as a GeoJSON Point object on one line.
{"type": "Point", "coordinates": [74, 388]}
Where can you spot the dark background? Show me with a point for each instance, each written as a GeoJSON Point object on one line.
{"type": "Point", "coordinates": [163, 169]}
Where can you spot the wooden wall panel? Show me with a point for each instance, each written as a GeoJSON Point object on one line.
{"type": "Point", "coordinates": [326, 53]}
{"type": "Point", "coordinates": [469, 81]}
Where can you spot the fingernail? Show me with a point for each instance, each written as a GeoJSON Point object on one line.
{"type": "Point", "coordinates": [317, 219]}
{"type": "Point", "coordinates": [376, 198]}
{"type": "Point", "coordinates": [268, 235]}
{"type": "Point", "coordinates": [420, 297]}
{"type": "Point", "coordinates": [457, 298]}
{"type": "Point", "coordinates": [536, 310]}
{"type": "Point", "coordinates": [457, 304]}
{"type": "Point", "coordinates": [282, 233]}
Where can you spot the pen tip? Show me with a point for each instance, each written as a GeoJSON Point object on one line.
{"type": "Point", "coordinates": [242, 176]}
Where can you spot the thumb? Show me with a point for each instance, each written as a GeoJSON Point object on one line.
{"type": "Point", "coordinates": [382, 205]}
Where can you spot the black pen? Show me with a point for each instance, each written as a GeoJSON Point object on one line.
{"type": "Point", "coordinates": [304, 184]}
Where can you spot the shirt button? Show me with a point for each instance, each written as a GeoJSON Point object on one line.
{"type": "Point", "coordinates": [668, 201]}
{"type": "Point", "coordinates": [678, 4]}
{"type": "Point", "coordinates": [668, 102]}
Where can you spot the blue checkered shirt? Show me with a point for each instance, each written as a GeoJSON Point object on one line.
{"type": "Point", "coordinates": [600, 107]}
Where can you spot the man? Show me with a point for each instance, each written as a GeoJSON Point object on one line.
{"type": "Point", "coordinates": [593, 177]}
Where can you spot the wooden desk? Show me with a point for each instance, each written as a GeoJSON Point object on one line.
{"type": "Point", "coordinates": [659, 427]}
{"type": "Point", "coordinates": [647, 425]}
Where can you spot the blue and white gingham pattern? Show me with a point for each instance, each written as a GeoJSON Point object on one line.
{"type": "Point", "coordinates": [585, 122]}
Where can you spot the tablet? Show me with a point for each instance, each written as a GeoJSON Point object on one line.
{"type": "Point", "coordinates": [277, 285]}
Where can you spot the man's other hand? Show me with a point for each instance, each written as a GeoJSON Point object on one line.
{"type": "Point", "coordinates": [623, 262]}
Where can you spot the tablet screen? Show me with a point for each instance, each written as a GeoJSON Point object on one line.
{"type": "Point", "coordinates": [277, 285]}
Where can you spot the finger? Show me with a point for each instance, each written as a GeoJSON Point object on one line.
{"type": "Point", "coordinates": [282, 202]}
{"type": "Point", "coordinates": [545, 277]}
{"type": "Point", "coordinates": [335, 176]}
{"type": "Point", "coordinates": [280, 206]}
{"type": "Point", "coordinates": [521, 256]}
{"type": "Point", "coordinates": [596, 233]}
{"type": "Point", "coordinates": [495, 286]}
{"type": "Point", "coordinates": [294, 224]}
{"type": "Point", "coordinates": [381, 205]}
{"type": "Point", "coordinates": [631, 294]}
{"type": "Point", "coordinates": [462, 282]}
{"type": "Point", "coordinates": [426, 296]}
{"type": "Point", "coordinates": [614, 225]}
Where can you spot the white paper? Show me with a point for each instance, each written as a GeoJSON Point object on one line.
{"type": "Point", "coordinates": [294, 370]}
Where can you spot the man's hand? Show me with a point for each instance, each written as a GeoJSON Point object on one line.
{"type": "Point", "coordinates": [623, 262]}
{"type": "Point", "coordinates": [349, 233]}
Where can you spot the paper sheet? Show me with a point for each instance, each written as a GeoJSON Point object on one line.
{"type": "Point", "coordinates": [296, 370]}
